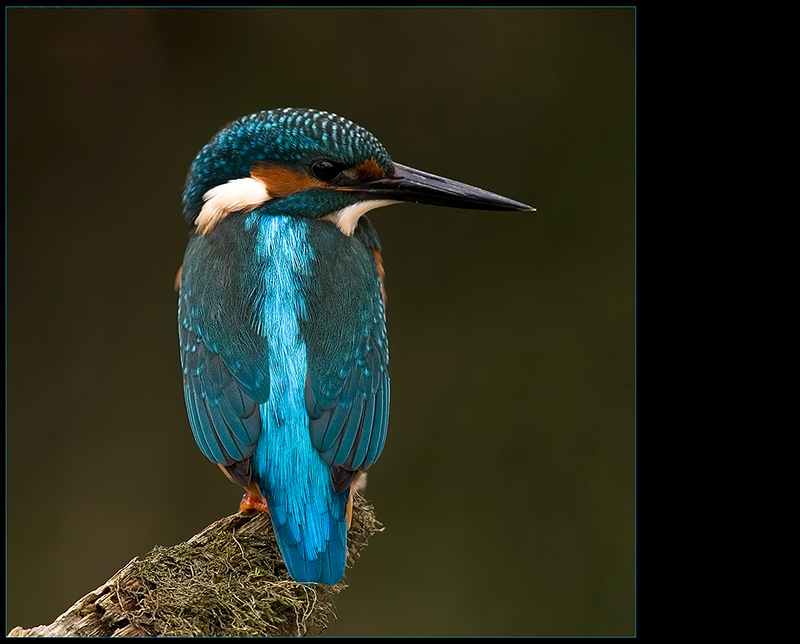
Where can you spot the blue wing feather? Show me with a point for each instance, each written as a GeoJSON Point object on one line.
{"type": "Point", "coordinates": [225, 423]}
{"type": "Point", "coordinates": [378, 436]}
{"type": "Point", "coordinates": [359, 450]}
{"type": "Point", "coordinates": [225, 362]}
{"type": "Point", "coordinates": [350, 435]}
{"type": "Point", "coordinates": [348, 381]}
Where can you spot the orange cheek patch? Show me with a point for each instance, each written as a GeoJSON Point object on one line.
{"type": "Point", "coordinates": [281, 181]}
{"type": "Point", "coordinates": [370, 169]}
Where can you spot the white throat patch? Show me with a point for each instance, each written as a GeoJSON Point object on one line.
{"type": "Point", "coordinates": [347, 218]}
{"type": "Point", "coordinates": [238, 194]}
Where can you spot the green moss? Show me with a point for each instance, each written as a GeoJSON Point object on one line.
{"type": "Point", "coordinates": [231, 581]}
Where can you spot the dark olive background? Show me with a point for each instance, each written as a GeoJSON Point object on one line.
{"type": "Point", "coordinates": [507, 482]}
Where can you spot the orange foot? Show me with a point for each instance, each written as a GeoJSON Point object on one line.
{"type": "Point", "coordinates": [252, 501]}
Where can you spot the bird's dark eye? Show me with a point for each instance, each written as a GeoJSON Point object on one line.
{"type": "Point", "coordinates": [326, 170]}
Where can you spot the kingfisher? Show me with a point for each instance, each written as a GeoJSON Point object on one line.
{"type": "Point", "coordinates": [282, 318]}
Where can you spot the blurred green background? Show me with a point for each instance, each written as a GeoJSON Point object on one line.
{"type": "Point", "coordinates": [507, 482]}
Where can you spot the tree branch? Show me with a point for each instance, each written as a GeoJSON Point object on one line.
{"type": "Point", "coordinates": [228, 580]}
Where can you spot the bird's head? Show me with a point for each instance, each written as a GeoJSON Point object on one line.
{"type": "Point", "coordinates": [313, 164]}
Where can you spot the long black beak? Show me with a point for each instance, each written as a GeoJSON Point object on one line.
{"type": "Point", "coordinates": [408, 184]}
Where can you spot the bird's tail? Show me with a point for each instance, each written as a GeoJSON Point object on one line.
{"type": "Point", "coordinates": [312, 534]}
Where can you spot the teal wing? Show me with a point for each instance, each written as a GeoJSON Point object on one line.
{"type": "Point", "coordinates": [225, 361]}
{"type": "Point", "coordinates": [223, 411]}
{"type": "Point", "coordinates": [347, 386]}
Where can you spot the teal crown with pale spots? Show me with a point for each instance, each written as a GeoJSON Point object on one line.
{"type": "Point", "coordinates": [291, 137]}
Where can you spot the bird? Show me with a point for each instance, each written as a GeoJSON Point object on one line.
{"type": "Point", "coordinates": [282, 316]}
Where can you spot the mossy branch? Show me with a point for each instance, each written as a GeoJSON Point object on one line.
{"type": "Point", "coordinates": [228, 580]}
